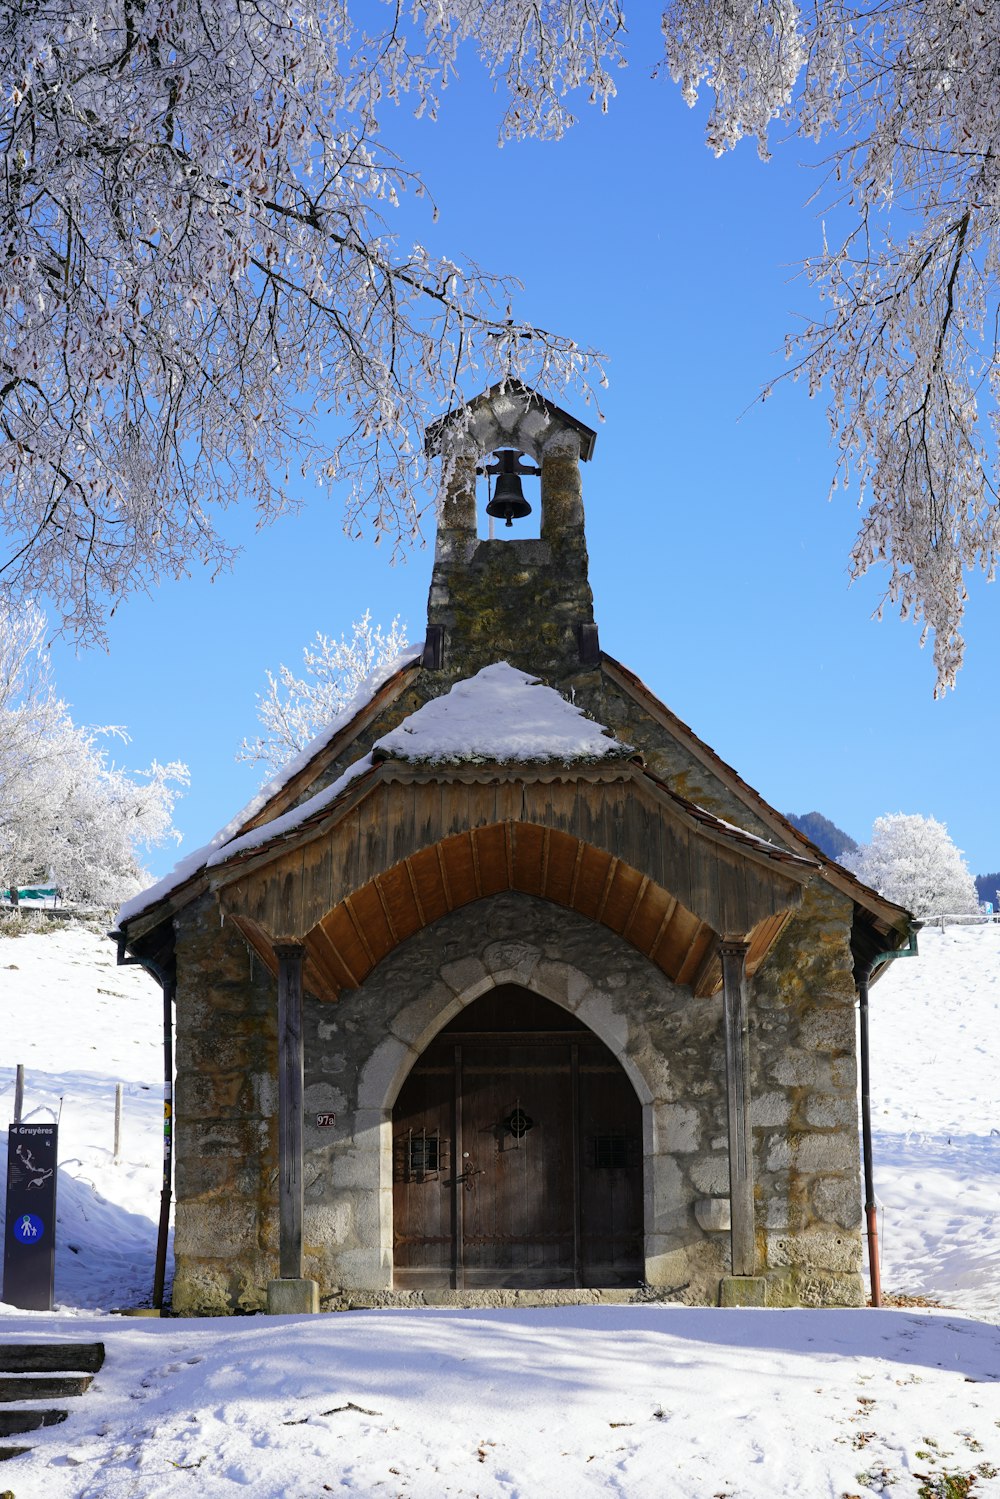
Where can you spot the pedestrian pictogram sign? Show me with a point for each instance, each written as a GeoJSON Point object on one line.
{"type": "Point", "coordinates": [29, 1251]}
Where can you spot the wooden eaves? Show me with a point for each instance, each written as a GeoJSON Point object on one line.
{"type": "Point", "coordinates": [283, 799]}
{"type": "Point", "coordinates": [406, 843]}
{"type": "Point", "coordinates": [879, 924]}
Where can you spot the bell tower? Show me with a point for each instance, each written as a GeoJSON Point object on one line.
{"type": "Point", "coordinates": [526, 600]}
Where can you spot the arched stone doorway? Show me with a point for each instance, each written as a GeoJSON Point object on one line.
{"type": "Point", "coordinates": [517, 1154]}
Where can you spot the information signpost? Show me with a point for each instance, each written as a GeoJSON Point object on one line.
{"type": "Point", "coordinates": [29, 1251]}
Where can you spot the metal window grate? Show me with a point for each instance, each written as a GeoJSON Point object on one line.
{"type": "Point", "coordinates": [420, 1156]}
{"type": "Point", "coordinates": [612, 1151]}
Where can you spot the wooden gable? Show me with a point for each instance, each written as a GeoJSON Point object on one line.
{"type": "Point", "coordinates": [404, 845]}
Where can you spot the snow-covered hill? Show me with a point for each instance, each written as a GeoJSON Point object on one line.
{"type": "Point", "coordinates": [645, 1402]}
{"type": "Point", "coordinates": [935, 1023]}
{"type": "Point", "coordinates": [80, 1024]}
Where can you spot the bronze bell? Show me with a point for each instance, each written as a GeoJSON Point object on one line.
{"type": "Point", "coordinates": [508, 502]}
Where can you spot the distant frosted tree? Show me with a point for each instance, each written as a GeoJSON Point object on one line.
{"type": "Point", "coordinates": [913, 861]}
{"type": "Point", "coordinates": [294, 709]}
{"type": "Point", "coordinates": [66, 811]}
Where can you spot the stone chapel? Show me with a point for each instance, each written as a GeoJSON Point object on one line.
{"type": "Point", "coordinates": [509, 986]}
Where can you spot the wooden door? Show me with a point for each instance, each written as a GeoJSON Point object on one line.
{"type": "Point", "coordinates": [517, 1155]}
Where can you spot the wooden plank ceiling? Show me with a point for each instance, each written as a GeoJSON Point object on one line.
{"type": "Point", "coordinates": [346, 944]}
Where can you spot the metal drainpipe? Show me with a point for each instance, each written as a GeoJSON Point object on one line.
{"type": "Point", "coordinates": [871, 1212]}
{"type": "Point", "coordinates": [168, 986]}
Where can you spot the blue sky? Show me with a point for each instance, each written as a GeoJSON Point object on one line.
{"type": "Point", "coordinates": [719, 567]}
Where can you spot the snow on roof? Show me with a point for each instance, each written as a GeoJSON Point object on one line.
{"type": "Point", "coordinates": [499, 715]}
{"type": "Point", "coordinates": [193, 862]}
{"type": "Point", "coordinates": [291, 820]}
{"type": "Point", "coordinates": [765, 843]}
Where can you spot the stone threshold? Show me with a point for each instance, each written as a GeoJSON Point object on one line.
{"type": "Point", "coordinates": [493, 1297]}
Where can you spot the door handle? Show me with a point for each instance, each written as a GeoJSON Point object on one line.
{"type": "Point", "coordinates": [466, 1177]}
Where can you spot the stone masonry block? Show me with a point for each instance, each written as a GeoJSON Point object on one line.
{"type": "Point", "coordinates": [464, 974]}
{"type": "Point", "coordinates": [292, 1297]}
{"type": "Point", "coordinates": [384, 1072]}
{"type": "Point", "coordinates": [667, 1263]}
{"type": "Point", "coordinates": [816, 1288]}
{"type": "Point", "coordinates": [356, 1166]}
{"type": "Point", "coordinates": [678, 1127]}
{"type": "Point", "coordinates": [829, 1030]}
{"type": "Point", "coordinates": [710, 1175]}
{"type": "Point", "coordinates": [516, 957]}
{"type": "Point", "coordinates": [598, 1011]}
{"type": "Point", "coordinates": [831, 1111]}
{"type": "Point", "coordinates": [800, 1069]}
{"type": "Point", "coordinates": [779, 1153]}
{"type": "Point", "coordinates": [776, 1209]}
{"type": "Point", "coordinates": [237, 1138]}
{"type": "Point", "coordinates": [770, 1108]}
{"type": "Point", "coordinates": [366, 1269]}
{"type": "Point", "coordinates": [328, 1223]}
{"type": "Point", "coordinates": [826, 1153]}
{"type": "Point", "coordinates": [420, 1020]}
{"type": "Point", "coordinates": [551, 978]}
{"type": "Point", "coordinates": [844, 1074]}
{"type": "Point", "coordinates": [669, 1193]}
{"type": "Point", "coordinates": [743, 1290]}
{"type": "Point", "coordinates": [837, 1199]}
{"type": "Point", "coordinates": [647, 1067]}
{"type": "Point", "coordinates": [215, 1230]}
{"type": "Point", "coordinates": [200, 1290]}
{"type": "Point", "coordinates": [815, 1249]}
{"type": "Point", "coordinates": [321, 1098]}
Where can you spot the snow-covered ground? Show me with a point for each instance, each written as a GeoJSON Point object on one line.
{"type": "Point", "coordinates": [80, 1024]}
{"type": "Point", "coordinates": [632, 1401]}
{"type": "Point", "coordinates": [935, 1024]}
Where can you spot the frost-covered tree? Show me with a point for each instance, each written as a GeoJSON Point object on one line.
{"type": "Point", "coordinates": [197, 260]}
{"type": "Point", "coordinates": [294, 709]}
{"type": "Point", "coordinates": [67, 812]}
{"type": "Point", "coordinates": [30, 713]}
{"type": "Point", "coordinates": [908, 96]}
{"type": "Point", "coordinates": [912, 860]}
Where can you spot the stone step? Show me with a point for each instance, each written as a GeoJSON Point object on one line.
{"type": "Point", "coordinates": [50, 1358]}
{"type": "Point", "coordinates": [36, 1371]}
{"type": "Point", "coordinates": [14, 1422]}
{"type": "Point", "coordinates": [6, 1452]}
{"type": "Point", "coordinates": [43, 1387]}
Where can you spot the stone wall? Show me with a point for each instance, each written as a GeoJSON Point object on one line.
{"type": "Point", "coordinates": [359, 1051]}
{"type": "Point", "coordinates": [807, 1151]}
{"type": "Point", "coordinates": [225, 1114]}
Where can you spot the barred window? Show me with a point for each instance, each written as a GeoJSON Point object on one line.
{"type": "Point", "coordinates": [612, 1151]}
{"type": "Point", "coordinates": [420, 1155]}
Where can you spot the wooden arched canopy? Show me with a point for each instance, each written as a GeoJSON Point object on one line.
{"type": "Point", "coordinates": [405, 844]}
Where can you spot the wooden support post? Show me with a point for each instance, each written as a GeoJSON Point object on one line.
{"type": "Point", "coordinates": [734, 956]}
{"type": "Point", "coordinates": [290, 1089]}
{"type": "Point", "coordinates": [166, 1185]}
{"type": "Point", "coordinates": [18, 1092]}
